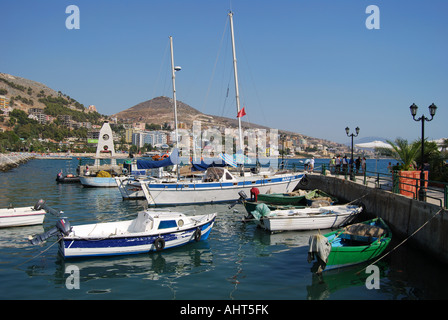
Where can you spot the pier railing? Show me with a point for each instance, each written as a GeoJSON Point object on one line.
{"type": "Point", "coordinates": [435, 192]}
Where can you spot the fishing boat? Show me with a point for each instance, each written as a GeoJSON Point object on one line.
{"type": "Point", "coordinates": [314, 198]}
{"type": "Point", "coordinates": [306, 218]}
{"type": "Point", "coordinates": [150, 231]}
{"type": "Point", "coordinates": [354, 244]}
{"type": "Point", "coordinates": [290, 198]}
{"type": "Point", "coordinates": [22, 216]}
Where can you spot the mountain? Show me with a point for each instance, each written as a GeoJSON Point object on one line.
{"type": "Point", "coordinates": [160, 110]}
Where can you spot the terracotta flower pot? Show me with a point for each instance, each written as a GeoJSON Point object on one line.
{"type": "Point", "coordinates": [409, 183]}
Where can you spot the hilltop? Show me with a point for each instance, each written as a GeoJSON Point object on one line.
{"type": "Point", "coordinates": [159, 110]}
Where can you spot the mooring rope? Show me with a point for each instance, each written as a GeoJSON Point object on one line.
{"type": "Point", "coordinates": [39, 253]}
{"type": "Point", "coordinates": [359, 198]}
{"type": "Point", "coordinates": [402, 242]}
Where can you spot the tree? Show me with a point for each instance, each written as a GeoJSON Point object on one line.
{"type": "Point", "coordinates": [405, 152]}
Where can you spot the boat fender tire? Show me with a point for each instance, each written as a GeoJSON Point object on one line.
{"type": "Point", "coordinates": [159, 244]}
{"type": "Point", "coordinates": [197, 235]}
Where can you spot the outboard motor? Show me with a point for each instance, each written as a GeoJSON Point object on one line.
{"type": "Point", "coordinates": [39, 204]}
{"type": "Point", "coordinates": [62, 228]}
{"type": "Point", "coordinates": [243, 197]}
{"type": "Point", "coordinates": [42, 205]}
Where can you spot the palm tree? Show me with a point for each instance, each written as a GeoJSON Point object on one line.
{"type": "Point", "coordinates": [444, 144]}
{"type": "Point", "coordinates": [405, 152]}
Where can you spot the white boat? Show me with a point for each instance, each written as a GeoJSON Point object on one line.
{"type": "Point", "coordinates": [150, 231]}
{"type": "Point", "coordinates": [24, 216]}
{"type": "Point", "coordinates": [306, 218]}
{"type": "Point", "coordinates": [217, 185]}
{"type": "Point", "coordinates": [97, 182]}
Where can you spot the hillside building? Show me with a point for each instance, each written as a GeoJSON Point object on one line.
{"type": "Point", "coordinates": [4, 102]}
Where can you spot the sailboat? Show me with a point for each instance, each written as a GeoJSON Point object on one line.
{"type": "Point", "coordinates": [218, 184]}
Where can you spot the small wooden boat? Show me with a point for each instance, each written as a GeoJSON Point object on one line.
{"type": "Point", "coordinates": [314, 198]}
{"type": "Point", "coordinates": [354, 244]}
{"type": "Point", "coordinates": [306, 218]}
{"type": "Point", "coordinates": [297, 197]}
{"type": "Point", "coordinates": [291, 198]}
{"type": "Point", "coordinates": [251, 206]}
{"type": "Point", "coordinates": [24, 216]}
{"type": "Point", "coordinates": [150, 231]}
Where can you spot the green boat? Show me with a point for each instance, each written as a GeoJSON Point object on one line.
{"type": "Point", "coordinates": [251, 206]}
{"type": "Point", "coordinates": [289, 201]}
{"type": "Point", "coordinates": [290, 198]}
{"type": "Point", "coordinates": [354, 244]}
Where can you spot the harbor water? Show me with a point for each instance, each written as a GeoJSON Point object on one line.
{"type": "Point", "coordinates": [237, 262]}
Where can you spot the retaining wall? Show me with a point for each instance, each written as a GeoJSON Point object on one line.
{"type": "Point", "coordinates": [404, 215]}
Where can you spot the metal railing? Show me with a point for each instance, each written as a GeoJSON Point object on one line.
{"type": "Point", "coordinates": [436, 192]}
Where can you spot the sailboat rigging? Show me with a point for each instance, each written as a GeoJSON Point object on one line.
{"type": "Point", "coordinates": [218, 184]}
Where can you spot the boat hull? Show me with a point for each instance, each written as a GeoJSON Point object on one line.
{"type": "Point", "coordinates": [251, 206]}
{"type": "Point", "coordinates": [348, 249]}
{"type": "Point", "coordinates": [214, 192]}
{"type": "Point", "coordinates": [66, 179]}
{"type": "Point", "coordinates": [328, 221]}
{"type": "Point", "coordinates": [349, 256]}
{"type": "Point", "coordinates": [281, 198]}
{"type": "Point", "coordinates": [72, 247]}
{"type": "Point", "coordinates": [17, 217]}
{"type": "Point", "coordinates": [98, 182]}
{"type": "Point", "coordinates": [130, 188]}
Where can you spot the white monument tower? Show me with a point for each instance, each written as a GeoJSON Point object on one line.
{"type": "Point", "coordinates": [105, 148]}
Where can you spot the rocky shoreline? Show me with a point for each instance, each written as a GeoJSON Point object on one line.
{"type": "Point", "coordinates": [13, 160]}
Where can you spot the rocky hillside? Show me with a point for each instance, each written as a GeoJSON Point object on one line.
{"type": "Point", "coordinates": [160, 110]}
{"type": "Point", "coordinates": [25, 93]}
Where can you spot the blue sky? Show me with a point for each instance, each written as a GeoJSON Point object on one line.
{"type": "Point", "coordinates": [311, 67]}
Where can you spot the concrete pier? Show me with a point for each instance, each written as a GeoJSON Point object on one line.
{"type": "Point", "coordinates": [404, 215]}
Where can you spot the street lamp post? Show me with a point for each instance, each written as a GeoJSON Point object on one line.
{"type": "Point", "coordinates": [432, 111]}
{"type": "Point", "coordinates": [347, 130]}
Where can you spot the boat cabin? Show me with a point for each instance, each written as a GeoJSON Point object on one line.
{"type": "Point", "coordinates": [218, 174]}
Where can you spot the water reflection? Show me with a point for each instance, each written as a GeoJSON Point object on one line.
{"type": "Point", "coordinates": [329, 283]}
{"type": "Point", "coordinates": [162, 267]}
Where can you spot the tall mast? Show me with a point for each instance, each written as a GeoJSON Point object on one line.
{"type": "Point", "coordinates": [174, 91]}
{"type": "Point", "coordinates": [237, 93]}
{"type": "Point", "coordinates": [173, 70]}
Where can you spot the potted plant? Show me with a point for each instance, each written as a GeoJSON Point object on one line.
{"type": "Point", "coordinates": [408, 177]}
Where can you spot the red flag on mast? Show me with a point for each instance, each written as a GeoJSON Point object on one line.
{"type": "Point", "coordinates": [241, 113]}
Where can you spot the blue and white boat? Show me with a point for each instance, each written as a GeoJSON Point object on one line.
{"type": "Point", "coordinates": [150, 231]}
{"type": "Point", "coordinates": [217, 185]}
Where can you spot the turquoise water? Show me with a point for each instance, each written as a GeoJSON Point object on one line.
{"type": "Point", "coordinates": [237, 262]}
